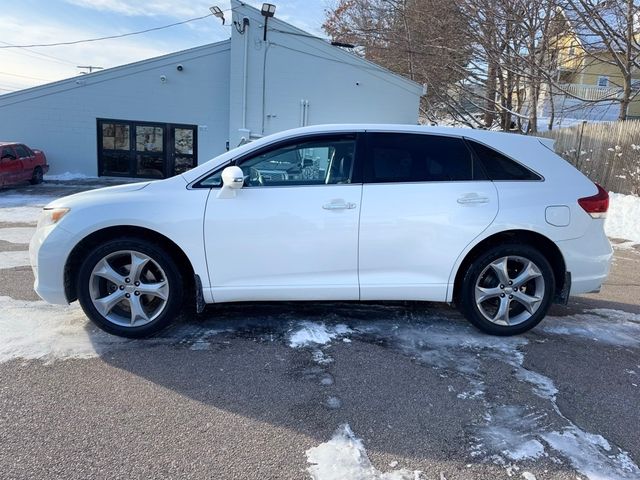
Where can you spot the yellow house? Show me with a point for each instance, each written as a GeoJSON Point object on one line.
{"type": "Point", "coordinates": [585, 68]}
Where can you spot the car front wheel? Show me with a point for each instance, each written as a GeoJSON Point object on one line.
{"type": "Point", "coordinates": [130, 287]}
{"type": "Point", "coordinates": [507, 290]}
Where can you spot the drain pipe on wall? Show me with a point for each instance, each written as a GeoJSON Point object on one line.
{"type": "Point", "coordinates": [245, 32]}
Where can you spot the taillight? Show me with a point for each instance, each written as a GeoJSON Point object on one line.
{"type": "Point", "coordinates": [597, 205]}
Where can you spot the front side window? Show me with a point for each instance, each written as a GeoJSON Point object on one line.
{"type": "Point", "coordinates": [323, 161]}
{"type": "Point", "coordinates": [407, 157]}
{"type": "Point", "coordinates": [8, 153]}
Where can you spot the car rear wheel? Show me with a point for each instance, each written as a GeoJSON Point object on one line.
{"type": "Point", "coordinates": [507, 290]}
{"type": "Point", "coordinates": [130, 287]}
{"type": "Point", "coordinates": [37, 176]}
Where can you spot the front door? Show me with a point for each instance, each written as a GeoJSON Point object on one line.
{"type": "Point", "coordinates": [145, 149]}
{"type": "Point", "coordinates": [424, 200]}
{"type": "Point", "coordinates": [10, 166]}
{"type": "Point", "coordinates": [291, 232]}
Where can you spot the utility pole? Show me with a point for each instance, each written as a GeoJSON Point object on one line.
{"type": "Point", "coordinates": [91, 68]}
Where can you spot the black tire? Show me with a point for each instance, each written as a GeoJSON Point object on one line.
{"type": "Point", "coordinates": [37, 177]}
{"type": "Point", "coordinates": [157, 254]}
{"type": "Point", "coordinates": [467, 299]}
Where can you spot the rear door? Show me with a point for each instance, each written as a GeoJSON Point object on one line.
{"type": "Point", "coordinates": [26, 162]}
{"type": "Point", "coordinates": [424, 200]}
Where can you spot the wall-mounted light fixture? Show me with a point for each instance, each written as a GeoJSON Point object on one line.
{"type": "Point", "coordinates": [268, 10]}
{"type": "Point", "coordinates": [216, 12]}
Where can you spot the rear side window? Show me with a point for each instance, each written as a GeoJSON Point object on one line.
{"type": "Point", "coordinates": [22, 151]}
{"type": "Point", "coordinates": [406, 157]}
{"type": "Point", "coordinates": [498, 166]}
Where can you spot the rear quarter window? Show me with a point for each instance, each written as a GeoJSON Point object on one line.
{"type": "Point", "coordinates": [500, 167]}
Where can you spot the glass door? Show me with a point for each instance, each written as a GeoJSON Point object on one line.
{"type": "Point", "coordinates": [184, 143]}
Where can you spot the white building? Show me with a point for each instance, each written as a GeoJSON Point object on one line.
{"type": "Point", "coordinates": [157, 117]}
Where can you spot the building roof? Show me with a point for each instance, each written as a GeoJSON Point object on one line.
{"type": "Point", "coordinates": [111, 73]}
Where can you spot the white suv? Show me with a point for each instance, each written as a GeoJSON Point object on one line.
{"type": "Point", "coordinates": [496, 223]}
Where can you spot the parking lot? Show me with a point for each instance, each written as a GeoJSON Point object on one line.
{"type": "Point", "coordinates": [315, 390]}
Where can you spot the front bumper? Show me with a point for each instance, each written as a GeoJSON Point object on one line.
{"type": "Point", "coordinates": [48, 252]}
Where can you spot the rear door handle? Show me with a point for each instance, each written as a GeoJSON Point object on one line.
{"type": "Point", "coordinates": [472, 199]}
{"type": "Point", "coordinates": [339, 205]}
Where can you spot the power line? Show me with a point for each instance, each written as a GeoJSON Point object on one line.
{"type": "Point", "coordinates": [87, 40]}
{"type": "Point", "coordinates": [25, 76]}
{"type": "Point", "coordinates": [51, 58]}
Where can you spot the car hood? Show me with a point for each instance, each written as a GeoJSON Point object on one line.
{"type": "Point", "coordinates": [98, 193]}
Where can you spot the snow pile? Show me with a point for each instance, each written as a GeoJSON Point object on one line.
{"type": "Point", "coordinates": [623, 218]}
{"type": "Point", "coordinates": [310, 333]}
{"type": "Point", "coordinates": [36, 330]}
{"type": "Point", "coordinates": [20, 235]}
{"type": "Point", "coordinates": [67, 176]}
{"type": "Point", "coordinates": [344, 457]}
{"type": "Point", "coordinates": [14, 259]}
{"type": "Point", "coordinates": [613, 327]}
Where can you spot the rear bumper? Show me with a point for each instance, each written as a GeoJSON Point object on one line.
{"type": "Point", "coordinates": [588, 259]}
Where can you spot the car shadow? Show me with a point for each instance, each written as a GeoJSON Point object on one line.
{"type": "Point", "coordinates": [409, 401]}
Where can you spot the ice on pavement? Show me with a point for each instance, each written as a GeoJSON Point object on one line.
{"type": "Point", "coordinates": [344, 457]}
{"type": "Point", "coordinates": [12, 259]}
{"type": "Point", "coordinates": [592, 455]}
{"type": "Point", "coordinates": [312, 333]}
{"type": "Point", "coordinates": [612, 327]}
{"type": "Point", "coordinates": [21, 235]}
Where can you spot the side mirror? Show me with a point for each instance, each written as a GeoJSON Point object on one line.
{"type": "Point", "coordinates": [232, 180]}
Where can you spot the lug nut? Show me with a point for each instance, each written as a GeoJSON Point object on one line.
{"type": "Point", "coordinates": [502, 286]}
{"type": "Point", "coordinates": [502, 295]}
{"type": "Point", "coordinates": [128, 295]}
{"type": "Point", "coordinates": [136, 293]}
{"type": "Point", "coordinates": [127, 280]}
{"type": "Point", "coordinates": [510, 282]}
{"type": "Point", "coordinates": [137, 284]}
{"type": "Point", "coordinates": [510, 296]}
{"type": "Point", "coordinates": [121, 287]}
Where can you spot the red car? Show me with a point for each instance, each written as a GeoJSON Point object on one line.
{"type": "Point", "coordinates": [18, 163]}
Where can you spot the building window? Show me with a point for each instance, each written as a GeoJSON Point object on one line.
{"type": "Point", "coordinates": [603, 81]}
{"type": "Point", "coordinates": [145, 149]}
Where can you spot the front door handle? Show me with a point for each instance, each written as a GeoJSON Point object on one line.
{"type": "Point", "coordinates": [472, 199]}
{"type": "Point", "coordinates": [339, 205]}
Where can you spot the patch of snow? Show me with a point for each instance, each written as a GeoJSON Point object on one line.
{"type": "Point", "coordinates": [20, 214]}
{"type": "Point", "coordinates": [14, 259]}
{"type": "Point", "coordinates": [623, 217]}
{"type": "Point", "coordinates": [37, 330]}
{"type": "Point", "coordinates": [22, 200]}
{"type": "Point", "coordinates": [21, 235]}
{"type": "Point", "coordinates": [592, 455]}
{"type": "Point", "coordinates": [543, 385]}
{"type": "Point", "coordinates": [344, 457]}
{"type": "Point", "coordinates": [528, 476]}
{"type": "Point", "coordinates": [510, 433]}
{"type": "Point", "coordinates": [321, 358]}
{"type": "Point", "coordinates": [333, 402]}
{"type": "Point", "coordinates": [67, 176]}
{"type": "Point", "coordinates": [311, 333]}
{"type": "Point", "coordinates": [613, 327]}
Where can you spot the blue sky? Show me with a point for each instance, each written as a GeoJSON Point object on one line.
{"type": "Point", "coordinates": [50, 21]}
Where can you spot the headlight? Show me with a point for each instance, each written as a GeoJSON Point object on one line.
{"type": "Point", "coordinates": [51, 216]}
